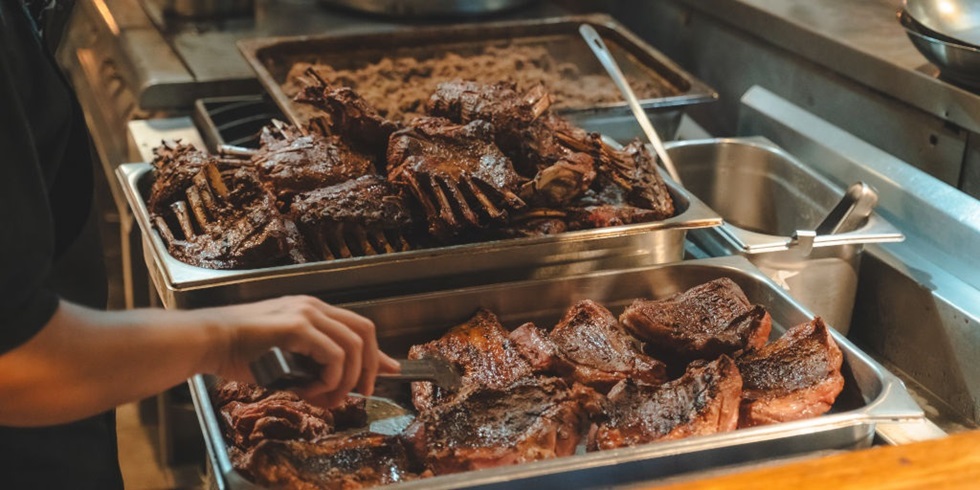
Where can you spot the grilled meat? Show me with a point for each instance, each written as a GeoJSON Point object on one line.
{"type": "Point", "coordinates": [602, 352]}
{"type": "Point", "coordinates": [281, 416]}
{"type": "Point", "coordinates": [364, 216]}
{"type": "Point", "coordinates": [703, 322]}
{"type": "Point", "coordinates": [795, 377]}
{"type": "Point", "coordinates": [481, 352]}
{"type": "Point", "coordinates": [703, 401]}
{"type": "Point", "coordinates": [292, 163]}
{"type": "Point", "coordinates": [532, 419]}
{"type": "Point", "coordinates": [459, 177]}
{"type": "Point", "coordinates": [351, 117]}
{"type": "Point", "coordinates": [229, 221]}
{"type": "Point", "coordinates": [337, 462]}
{"type": "Point", "coordinates": [175, 165]}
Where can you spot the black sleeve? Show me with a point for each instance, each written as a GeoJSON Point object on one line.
{"type": "Point", "coordinates": [26, 228]}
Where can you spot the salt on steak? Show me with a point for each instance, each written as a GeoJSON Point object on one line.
{"type": "Point", "coordinates": [703, 322]}
{"type": "Point", "coordinates": [533, 419]}
{"type": "Point", "coordinates": [480, 351]}
{"type": "Point", "coordinates": [601, 352]}
{"type": "Point", "coordinates": [337, 462]}
{"type": "Point", "coordinates": [703, 401]}
{"type": "Point", "coordinates": [795, 377]}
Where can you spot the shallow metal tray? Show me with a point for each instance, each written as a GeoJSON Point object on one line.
{"type": "Point", "coordinates": [871, 394]}
{"type": "Point", "coordinates": [273, 57]}
{"type": "Point", "coordinates": [181, 285]}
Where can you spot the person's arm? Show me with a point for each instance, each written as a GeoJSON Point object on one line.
{"type": "Point", "coordinates": [86, 361]}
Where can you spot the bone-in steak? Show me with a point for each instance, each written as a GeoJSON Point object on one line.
{"type": "Point", "coordinates": [703, 401]}
{"type": "Point", "coordinates": [533, 419]}
{"type": "Point", "coordinates": [602, 352]}
{"type": "Point", "coordinates": [480, 351]}
{"type": "Point", "coordinates": [796, 377]}
{"type": "Point", "coordinates": [703, 322]}
{"type": "Point", "coordinates": [338, 462]}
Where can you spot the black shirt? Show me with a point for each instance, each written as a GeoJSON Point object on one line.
{"type": "Point", "coordinates": [47, 247]}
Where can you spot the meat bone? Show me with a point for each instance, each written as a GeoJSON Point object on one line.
{"type": "Point", "coordinates": [278, 369]}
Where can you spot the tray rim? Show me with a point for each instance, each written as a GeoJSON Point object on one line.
{"type": "Point", "coordinates": [892, 404]}
{"type": "Point", "coordinates": [698, 92]}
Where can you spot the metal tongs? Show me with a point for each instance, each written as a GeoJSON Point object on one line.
{"type": "Point", "coordinates": [278, 369]}
{"type": "Point", "coordinates": [605, 57]}
{"type": "Point", "coordinates": [850, 212]}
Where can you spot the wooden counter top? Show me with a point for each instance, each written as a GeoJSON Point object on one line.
{"type": "Point", "coordinates": [948, 463]}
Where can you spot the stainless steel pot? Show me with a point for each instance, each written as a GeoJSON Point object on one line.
{"type": "Point", "coordinates": [765, 197]}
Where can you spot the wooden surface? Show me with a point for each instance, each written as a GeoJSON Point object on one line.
{"type": "Point", "coordinates": [949, 463]}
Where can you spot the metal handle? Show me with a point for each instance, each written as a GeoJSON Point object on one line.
{"type": "Point", "coordinates": [605, 57]}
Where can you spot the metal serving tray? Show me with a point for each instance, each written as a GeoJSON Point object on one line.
{"type": "Point", "coordinates": [181, 285]}
{"type": "Point", "coordinates": [871, 394]}
{"type": "Point", "coordinates": [273, 57]}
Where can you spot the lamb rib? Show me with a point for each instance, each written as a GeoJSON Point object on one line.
{"type": "Point", "coordinates": [795, 377]}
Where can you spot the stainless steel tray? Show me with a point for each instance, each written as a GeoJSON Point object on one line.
{"type": "Point", "coordinates": [273, 57]}
{"type": "Point", "coordinates": [871, 394]}
{"type": "Point", "coordinates": [182, 285]}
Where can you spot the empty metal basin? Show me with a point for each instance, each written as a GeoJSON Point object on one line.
{"type": "Point", "coordinates": [765, 196]}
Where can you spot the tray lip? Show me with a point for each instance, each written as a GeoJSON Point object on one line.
{"type": "Point", "coordinates": [698, 92]}
{"type": "Point", "coordinates": [175, 273]}
{"type": "Point", "coordinates": [875, 230]}
{"type": "Point", "coordinates": [892, 404]}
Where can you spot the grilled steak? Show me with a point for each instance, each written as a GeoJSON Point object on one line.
{"type": "Point", "coordinates": [363, 216]}
{"type": "Point", "coordinates": [337, 462]}
{"type": "Point", "coordinates": [603, 353]}
{"type": "Point", "coordinates": [175, 165]}
{"type": "Point", "coordinates": [703, 401]}
{"type": "Point", "coordinates": [532, 419]}
{"type": "Point", "coordinates": [480, 351]}
{"type": "Point", "coordinates": [795, 377]}
{"type": "Point", "coordinates": [703, 322]}
{"type": "Point", "coordinates": [281, 416]}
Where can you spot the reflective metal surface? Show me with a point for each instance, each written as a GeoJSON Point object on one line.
{"type": "Point", "coordinates": [958, 62]}
{"type": "Point", "coordinates": [958, 20]}
{"type": "Point", "coordinates": [871, 393]}
{"type": "Point", "coordinates": [765, 196]}
{"type": "Point", "coordinates": [181, 285]}
{"type": "Point", "coordinates": [428, 8]}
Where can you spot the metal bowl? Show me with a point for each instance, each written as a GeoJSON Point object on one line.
{"type": "Point", "coordinates": [956, 62]}
{"type": "Point", "coordinates": [953, 20]}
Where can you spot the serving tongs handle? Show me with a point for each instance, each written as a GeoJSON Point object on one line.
{"type": "Point", "coordinates": [605, 57]}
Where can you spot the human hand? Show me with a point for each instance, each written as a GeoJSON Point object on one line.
{"type": "Point", "coordinates": [343, 342]}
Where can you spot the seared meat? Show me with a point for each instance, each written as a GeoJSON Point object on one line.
{"type": "Point", "coordinates": [500, 104]}
{"type": "Point", "coordinates": [238, 391]}
{"type": "Point", "coordinates": [796, 377]}
{"type": "Point", "coordinates": [292, 163]}
{"type": "Point", "coordinates": [351, 117]}
{"type": "Point", "coordinates": [281, 416]}
{"type": "Point", "coordinates": [459, 177]}
{"type": "Point", "coordinates": [703, 322]}
{"type": "Point", "coordinates": [480, 351]}
{"type": "Point", "coordinates": [602, 352]}
{"type": "Point", "coordinates": [229, 221]}
{"type": "Point", "coordinates": [703, 401]}
{"type": "Point", "coordinates": [364, 216]}
{"type": "Point", "coordinates": [349, 414]}
{"type": "Point", "coordinates": [174, 167]}
{"type": "Point", "coordinates": [337, 462]}
{"type": "Point", "coordinates": [637, 173]}
{"type": "Point", "coordinates": [532, 419]}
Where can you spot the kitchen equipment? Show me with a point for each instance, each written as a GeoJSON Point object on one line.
{"type": "Point", "coordinates": [272, 58]}
{"type": "Point", "coordinates": [958, 63]}
{"type": "Point", "coordinates": [851, 211]}
{"type": "Point", "coordinates": [605, 57]}
{"type": "Point", "coordinates": [208, 9]}
{"type": "Point", "coordinates": [428, 8]}
{"type": "Point", "coordinates": [871, 394]}
{"type": "Point", "coordinates": [766, 198]}
{"type": "Point", "coordinates": [956, 21]}
{"type": "Point", "coordinates": [278, 369]}
{"type": "Point", "coordinates": [185, 286]}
